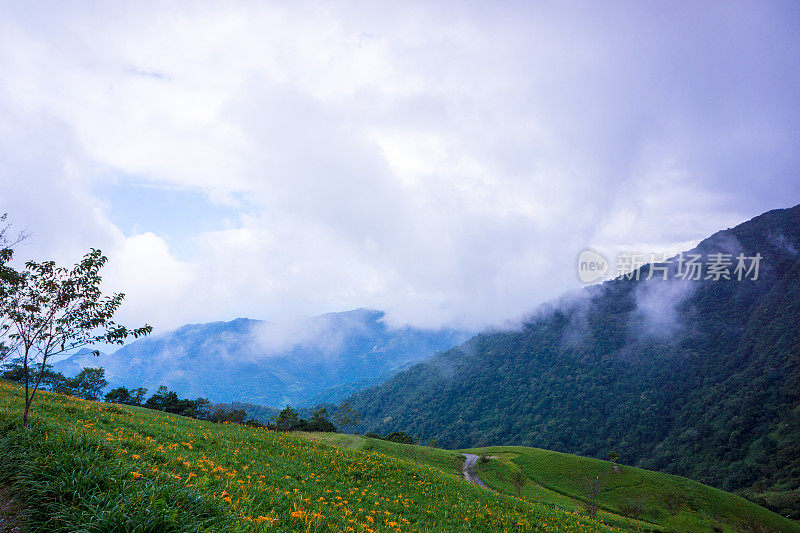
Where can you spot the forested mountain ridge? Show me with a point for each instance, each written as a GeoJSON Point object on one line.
{"type": "Point", "coordinates": [696, 378]}
{"type": "Point", "coordinates": [270, 364]}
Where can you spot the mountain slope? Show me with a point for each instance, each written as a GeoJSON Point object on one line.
{"type": "Point", "coordinates": [696, 378]}
{"type": "Point", "coordinates": [672, 502]}
{"type": "Point", "coordinates": [88, 466]}
{"type": "Point", "coordinates": [269, 364]}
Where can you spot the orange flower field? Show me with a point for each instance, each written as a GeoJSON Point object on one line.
{"type": "Point", "coordinates": [193, 475]}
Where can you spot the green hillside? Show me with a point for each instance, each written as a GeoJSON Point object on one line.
{"type": "Point", "coordinates": [694, 378]}
{"type": "Point", "coordinates": [87, 466]}
{"type": "Point", "coordinates": [95, 467]}
{"type": "Point", "coordinates": [630, 498]}
{"type": "Point", "coordinates": [673, 503]}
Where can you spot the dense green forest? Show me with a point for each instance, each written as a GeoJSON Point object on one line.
{"type": "Point", "coordinates": [696, 378]}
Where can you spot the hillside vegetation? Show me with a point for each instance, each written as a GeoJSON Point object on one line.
{"type": "Point", "coordinates": [672, 502]}
{"type": "Point", "coordinates": [629, 498]}
{"type": "Point", "coordinates": [86, 466]}
{"type": "Point", "coordinates": [694, 378]}
{"type": "Point", "coordinates": [98, 467]}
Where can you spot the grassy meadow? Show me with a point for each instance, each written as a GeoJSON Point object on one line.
{"type": "Point", "coordinates": [94, 467]}
{"type": "Point", "coordinates": [632, 499]}
{"type": "Point", "coordinates": [670, 502]}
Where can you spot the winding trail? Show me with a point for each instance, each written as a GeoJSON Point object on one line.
{"type": "Point", "coordinates": [468, 470]}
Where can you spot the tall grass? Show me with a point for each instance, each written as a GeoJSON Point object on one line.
{"type": "Point", "coordinates": [87, 466]}
{"type": "Point", "coordinates": [70, 483]}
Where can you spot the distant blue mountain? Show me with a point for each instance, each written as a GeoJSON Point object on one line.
{"type": "Point", "coordinates": [71, 365]}
{"type": "Point", "coordinates": [299, 363]}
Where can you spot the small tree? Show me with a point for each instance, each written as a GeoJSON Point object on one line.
{"type": "Point", "coordinates": [171, 403]}
{"type": "Point", "coordinates": [217, 415]}
{"type": "Point", "coordinates": [118, 395]}
{"type": "Point", "coordinates": [14, 371]}
{"type": "Point", "coordinates": [137, 395]}
{"type": "Point", "coordinates": [156, 401]}
{"type": "Point", "coordinates": [221, 415]}
{"type": "Point", "coordinates": [518, 479]}
{"type": "Point", "coordinates": [287, 419]}
{"type": "Point", "coordinates": [400, 436]}
{"type": "Point", "coordinates": [614, 458]}
{"type": "Point", "coordinates": [346, 417]}
{"type": "Point", "coordinates": [202, 408]}
{"type": "Point", "coordinates": [591, 488]}
{"type": "Point", "coordinates": [51, 380]}
{"type": "Point", "coordinates": [236, 416]}
{"type": "Point", "coordinates": [634, 508]}
{"type": "Point", "coordinates": [319, 421]}
{"type": "Point", "coordinates": [52, 310]}
{"type": "Point", "coordinates": [90, 382]}
{"type": "Point", "coordinates": [515, 477]}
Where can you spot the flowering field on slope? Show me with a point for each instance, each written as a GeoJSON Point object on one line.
{"type": "Point", "coordinates": [99, 467]}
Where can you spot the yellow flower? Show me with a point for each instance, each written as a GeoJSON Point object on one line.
{"type": "Point", "coordinates": [136, 475]}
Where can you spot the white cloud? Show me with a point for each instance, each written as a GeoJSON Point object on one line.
{"type": "Point", "coordinates": [443, 162]}
{"type": "Point", "coordinates": [155, 283]}
{"type": "Point", "coordinates": [658, 304]}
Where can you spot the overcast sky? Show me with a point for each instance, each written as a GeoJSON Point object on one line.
{"type": "Point", "coordinates": [443, 161]}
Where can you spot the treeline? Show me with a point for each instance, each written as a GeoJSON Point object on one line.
{"type": "Point", "coordinates": [88, 384]}
{"type": "Point", "coordinates": [395, 436]}
{"type": "Point", "coordinates": [169, 402]}
{"type": "Point", "coordinates": [289, 420]}
{"type": "Point", "coordinates": [202, 409]}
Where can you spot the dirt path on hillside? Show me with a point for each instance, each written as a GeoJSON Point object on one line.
{"type": "Point", "coordinates": [468, 470]}
{"type": "Point", "coordinates": [9, 511]}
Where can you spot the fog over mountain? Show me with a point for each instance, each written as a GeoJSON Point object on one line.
{"type": "Point", "coordinates": [695, 377]}
{"type": "Point", "coordinates": [297, 362]}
